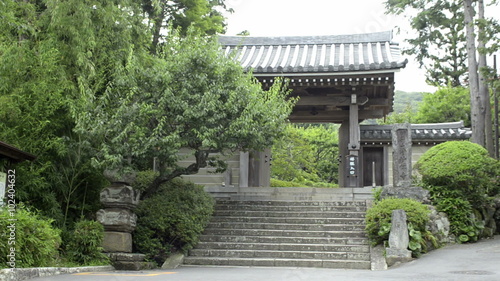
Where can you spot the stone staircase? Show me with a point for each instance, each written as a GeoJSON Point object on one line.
{"type": "Point", "coordinates": [284, 233]}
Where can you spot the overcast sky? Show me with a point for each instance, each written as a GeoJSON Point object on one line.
{"type": "Point", "coordinates": [324, 17]}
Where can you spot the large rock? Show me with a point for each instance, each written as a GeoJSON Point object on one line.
{"type": "Point", "coordinates": [119, 196]}
{"type": "Point", "coordinates": [439, 226]}
{"type": "Point", "coordinates": [413, 192]}
{"type": "Point", "coordinates": [174, 261]}
{"type": "Point", "coordinates": [117, 242]}
{"type": "Point", "coordinates": [121, 220]}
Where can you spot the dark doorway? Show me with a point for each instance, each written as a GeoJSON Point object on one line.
{"type": "Point", "coordinates": [373, 159]}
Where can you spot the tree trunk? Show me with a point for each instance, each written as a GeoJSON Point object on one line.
{"type": "Point", "coordinates": [483, 86]}
{"type": "Point", "coordinates": [477, 118]}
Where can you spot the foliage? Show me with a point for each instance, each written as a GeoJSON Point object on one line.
{"type": "Point", "coordinates": [460, 176]}
{"type": "Point", "coordinates": [307, 155]}
{"type": "Point", "coordinates": [35, 241]}
{"type": "Point", "coordinates": [193, 97]}
{"type": "Point", "coordinates": [462, 167]}
{"type": "Point", "coordinates": [447, 104]}
{"type": "Point", "coordinates": [406, 116]}
{"type": "Point", "coordinates": [172, 219]}
{"type": "Point", "coordinates": [280, 183]}
{"type": "Point", "coordinates": [440, 43]}
{"type": "Point", "coordinates": [203, 15]}
{"type": "Point", "coordinates": [51, 52]}
{"type": "Point", "coordinates": [378, 222]}
{"type": "Point", "coordinates": [84, 245]}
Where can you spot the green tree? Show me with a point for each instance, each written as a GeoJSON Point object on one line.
{"type": "Point", "coordinates": [50, 53]}
{"type": "Point", "coordinates": [204, 15]}
{"type": "Point", "coordinates": [306, 154]}
{"type": "Point", "coordinates": [190, 96]}
{"type": "Point", "coordinates": [294, 157]}
{"type": "Point", "coordinates": [445, 105]}
{"type": "Point", "coordinates": [440, 43]}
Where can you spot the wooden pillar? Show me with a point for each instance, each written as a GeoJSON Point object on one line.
{"type": "Point", "coordinates": [352, 165]}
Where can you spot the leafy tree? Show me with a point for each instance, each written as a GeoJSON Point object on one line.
{"type": "Point", "coordinates": [440, 43]}
{"type": "Point", "coordinates": [405, 116]}
{"type": "Point", "coordinates": [191, 96]}
{"type": "Point", "coordinates": [294, 157]}
{"type": "Point", "coordinates": [306, 154]}
{"type": "Point", "coordinates": [451, 29]}
{"type": "Point", "coordinates": [50, 53]}
{"type": "Point", "coordinates": [204, 15]}
{"type": "Point", "coordinates": [445, 105]}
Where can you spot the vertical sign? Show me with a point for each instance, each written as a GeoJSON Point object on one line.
{"type": "Point", "coordinates": [3, 181]}
{"type": "Point", "coordinates": [352, 165]}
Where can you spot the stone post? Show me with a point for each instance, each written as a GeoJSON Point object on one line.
{"type": "Point", "coordinates": [401, 155]}
{"type": "Point", "coordinates": [399, 239]}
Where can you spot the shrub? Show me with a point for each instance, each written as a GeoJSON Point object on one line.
{"type": "Point", "coordinates": [378, 222]}
{"type": "Point", "coordinates": [35, 242]}
{"type": "Point", "coordinates": [460, 177]}
{"type": "Point", "coordinates": [461, 167]}
{"type": "Point", "coordinates": [305, 183]}
{"type": "Point", "coordinates": [172, 219]}
{"type": "Point", "coordinates": [84, 245]}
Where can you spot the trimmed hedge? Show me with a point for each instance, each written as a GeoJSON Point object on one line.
{"type": "Point", "coordinates": [461, 179]}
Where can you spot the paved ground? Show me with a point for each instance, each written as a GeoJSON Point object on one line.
{"type": "Point", "coordinates": [480, 261]}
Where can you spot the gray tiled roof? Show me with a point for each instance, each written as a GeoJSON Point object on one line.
{"type": "Point", "coordinates": [315, 54]}
{"type": "Point", "coordinates": [419, 132]}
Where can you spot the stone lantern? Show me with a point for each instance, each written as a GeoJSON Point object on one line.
{"type": "Point", "coordinates": [119, 201]}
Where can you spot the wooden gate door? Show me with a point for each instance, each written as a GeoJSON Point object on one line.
{"type": "Point", "coordinates": [373, 160]}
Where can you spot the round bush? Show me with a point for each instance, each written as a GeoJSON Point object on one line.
{"type": "Point", "coordinates": [461, 178]}
{"type": "Point", "coordinates": [378, 221]}
{"type": "Point", "coordinates": [172, 219]}
{"type": "Point", "coordinates": [35, 241]}
{"type": "Point", "coordinates": [463, 167]}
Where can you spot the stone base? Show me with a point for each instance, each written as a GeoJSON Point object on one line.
{"type": "Point", "coordinates": [129, 261]}
{"type": "Point", "coordinates": [393, 256]}
{"type": "Point", "coordinates": [117, 242]}
{"type": "Point", "coordinates": [133, 265]}
{"type": "Point", "coordinates": [126, 257]}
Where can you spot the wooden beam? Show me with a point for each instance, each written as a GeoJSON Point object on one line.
{"type": "Point", "coordinates": [333, 116]}
{"type": "Point", "coordinates": [339, 100]}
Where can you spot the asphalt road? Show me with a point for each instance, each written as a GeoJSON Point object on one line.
{"type": "Point", "coordinates": [479, 261]}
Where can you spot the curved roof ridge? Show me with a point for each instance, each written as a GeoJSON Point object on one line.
{"type": "Point", "coordinates": [383, 36]}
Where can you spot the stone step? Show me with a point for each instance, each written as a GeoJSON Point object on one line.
{"type": "Point", "coordinates": [274, 208]}
{"type": "Point", "coordinates": [284, 247]}
{"type": "Point", "coordinates": [281, 254]}
{"type": "Point", "coordinates": [312, 214]}
{"type": "Point", "coordinates": [283, 240]}
{"type": "Point", "coordinates": [304, 233]}
{"type": "Point", "coordinates": [289, 233]}
{"type": "Point", "coordinates": [286, 226]}
{"type": "Point", "coordinates": [344, 221]}
{"type": "Point", "coordinates": [290, 203]}
{"type": "Point", "coordinates": [225, 261]}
